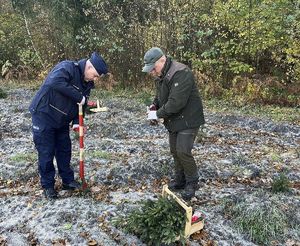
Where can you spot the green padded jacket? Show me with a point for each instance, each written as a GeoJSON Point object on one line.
{"type": "Point", "coordinates": [177, 98]}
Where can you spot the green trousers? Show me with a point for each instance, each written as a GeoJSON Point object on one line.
{"type": "Point", "coordinates": [181, 144]}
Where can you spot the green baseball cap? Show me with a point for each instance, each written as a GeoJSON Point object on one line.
{"type": "Point", "coordinates": [151, 56]}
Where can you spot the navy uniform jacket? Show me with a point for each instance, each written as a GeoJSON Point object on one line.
{"type": "Point", "coordinates": [55, 104]}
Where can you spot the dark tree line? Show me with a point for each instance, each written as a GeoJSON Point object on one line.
{"type": "Point", "coordinates": [220, 39]}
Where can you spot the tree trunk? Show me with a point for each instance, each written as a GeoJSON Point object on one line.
{"type": "Point", "coordinates": [31, 41]}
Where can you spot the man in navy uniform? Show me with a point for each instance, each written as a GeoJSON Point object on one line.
{"type": "Point", "coordinates": [53, 108]}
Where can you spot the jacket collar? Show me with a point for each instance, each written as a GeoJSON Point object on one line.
{"type": "Point", "coordinates": [166, 67]}
{"type": "Point", "coordinates": [81, 67]}
{"type": "Point", "coordinates": [88, 84]}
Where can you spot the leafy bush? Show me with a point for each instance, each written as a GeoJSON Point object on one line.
{"type": "Point", "coordinates": [11, 41]}
{"type": "Point", "coordinates": [156, 222]}
{"type": "Point", "coordinates": [281, 184]}
{"type": "Point", "coordinates": [259, 89]}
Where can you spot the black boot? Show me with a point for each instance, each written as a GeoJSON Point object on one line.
{"type": "Point", "coordinates": [175, 185]}
{"type": "Point", "coordinates": [50, 193]}
{"type": "Point", "coordinates": [74, 185]}
{"type": "Point", "coordinates": [189, 190]}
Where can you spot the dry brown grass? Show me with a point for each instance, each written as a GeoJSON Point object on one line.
{"type": "Point", "coordinates": [106, 82]}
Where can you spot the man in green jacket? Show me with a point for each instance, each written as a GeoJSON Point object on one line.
{"type": "Point", "coordinates": [179, 103]}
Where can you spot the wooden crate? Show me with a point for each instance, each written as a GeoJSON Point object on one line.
{"type": "Point", "coordinates": [189, 227]}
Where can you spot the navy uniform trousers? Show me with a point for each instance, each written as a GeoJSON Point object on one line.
{"type": "Point", "coordinates": [52, 142]}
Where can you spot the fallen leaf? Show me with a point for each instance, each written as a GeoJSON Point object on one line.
{"type": "Point", "coordinates": [92, 242]}
{"type": "Point", "coordinates": [67, 226]}
{"type": "Point", "coordinates": [290, 242]}
{"type": "Point", "coordinates": [59, 242]}
{"type": "Point", "coordinates": [95, 189]}
{"type": "Point", "coordinates": [84, 234]}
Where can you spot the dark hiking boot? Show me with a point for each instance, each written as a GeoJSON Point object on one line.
{"type": "Point", "coordinates": [50, 193]}
{"type": "Point", "coordinates": [74, 185]}
{"type": "Point", "coordinates": [175, 185]}
{"type": "Point", "coordinates": [189, 190]}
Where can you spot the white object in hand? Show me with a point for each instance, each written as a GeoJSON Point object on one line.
{"type": "Point", "coordinates": [152, 115]}
{"type": "Point", "coordinates": [75, 126]}
{"type": "Point", "coordinates": [82, 101]}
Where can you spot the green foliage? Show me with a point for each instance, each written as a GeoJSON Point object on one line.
{"type": "Point", "coordinates": [281, 184]}
{"type": "Point", "coordinates": [275, 113]}
{"type": "Point", "coordinates": [3, 94]}
{"type": "Point", "coordinates": [275, 157]}
{"type": "Point", "coordinates": [243, 38]}
{"type": "Point", "coordinates": [258, 89]}
{"type": "Point", "coordinates": [28, 57]}
{"type": "Point", "coordinates": [76, 136]}
{"type": "Point", "coordinates": [11, 41]}
{"type": "Point", "coordinates": [239, 159]}
{"type": "Point", "coordinates": [21, 157]}
{"type": "Point", "coordinates": [221, 39]}
{"type": "Point", "coordinates": [162, 167]}
{"type": "Point", "coordinates": [145, 97]}
{"type": "Point", "coordinates": [156, 222]}
{"type": "Point", "coordinates": [201, 135]}
{"type": "Point", "coordinates": [262, 222]}
{"type": "Point", "coordinates": [100, 154]}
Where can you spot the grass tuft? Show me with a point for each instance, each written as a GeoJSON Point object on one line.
{"type": "Point", "coordinates": [281, 184]}
{"type": "Point", "coordinates": [262, 222]}
{"type": "Point", "coordinates": [3, 94]}
{"type": "Point", "coordinates": [100, 154]}
{"type": "Point", "coordinates": [21, 157]}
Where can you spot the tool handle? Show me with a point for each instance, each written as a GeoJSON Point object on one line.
{"type": "Point", "coordinates": [81, 145]}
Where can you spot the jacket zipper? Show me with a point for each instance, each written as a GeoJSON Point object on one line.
{"type": "Point", "coordinates": [58, 109]}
